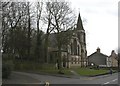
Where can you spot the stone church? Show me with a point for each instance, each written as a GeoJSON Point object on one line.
{"type": "Point", "coordinates": [76, 53]}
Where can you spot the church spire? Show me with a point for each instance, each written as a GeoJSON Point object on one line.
{"type": "Point", "coordinates": [79, 23]}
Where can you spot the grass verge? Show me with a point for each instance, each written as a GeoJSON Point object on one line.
{"type": "Point", "coordinates": [90, 72]}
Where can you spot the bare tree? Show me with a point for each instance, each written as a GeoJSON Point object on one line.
{"type": "Point", "coordinates": [61, 16]}
{"type": "Point", "coordinates": [39, 8]}
{"type": "Point", "coordinates": [16, 18]}
{"type": "Point", "coordinates": [47, 18]}
{"type": "Point", "coordinates": [12, 13]}
{"type": "Point", "coordinates": [29, 29]}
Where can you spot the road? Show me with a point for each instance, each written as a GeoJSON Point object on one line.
{"type": "Point", "coordinates": [106, 79]}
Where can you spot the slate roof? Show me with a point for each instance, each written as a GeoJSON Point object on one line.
{"type": "Point", "coordinates": [96, 53]}
{"type": "Point", "coordinates": [53, 40]}
{"type": "Point", "coordinates": [98, 58]}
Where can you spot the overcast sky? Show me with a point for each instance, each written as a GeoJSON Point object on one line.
{"type": "Point", "coordinates": [101, 24]}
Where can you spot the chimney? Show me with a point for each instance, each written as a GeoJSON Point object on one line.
{"type": "Point", "coordinates": [98, 50]}
{"type": "Point", "coordinates": [112, 52]}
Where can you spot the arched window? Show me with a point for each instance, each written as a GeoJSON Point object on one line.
{"type": "Point", "coordinates": [71, 48]}
{"type": "Point", "coordinates": [82, 50]}
{"type": "Point", "coordinates": [78, 50]}
{"type": "Point", "coordinates": [75, 47]}
{"type": "Point", "coordinates": [84, 37]}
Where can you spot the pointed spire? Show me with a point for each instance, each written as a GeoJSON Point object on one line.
{"type": "Point", "coordinates": [79, 23]}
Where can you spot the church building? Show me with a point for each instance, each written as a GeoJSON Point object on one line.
{"type": "Point", "coordinates": [76, 53]}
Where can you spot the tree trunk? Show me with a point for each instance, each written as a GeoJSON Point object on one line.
{"type": "Point", "coordinates": [46, 48]}
{"type": "Point", "coordinates": [37, 41]}
{"type": "Point", "coordinates": [59, 60]}
{"type": "Point", "coordinates": [46, 42]}
{"type": "Point", "coordinates": [59, 54]}
{"type": "Point", "coordinates": [29, 33]}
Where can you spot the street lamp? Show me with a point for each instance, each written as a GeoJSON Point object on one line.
{"type": "Point", "coordinates": [92, 64]}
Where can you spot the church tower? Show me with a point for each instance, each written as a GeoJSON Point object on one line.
{"type": "Point", "coordinates": [81, 36]}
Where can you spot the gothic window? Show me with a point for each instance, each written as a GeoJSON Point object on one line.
{"type": "Point", "coordinates": [84, 37]}
{"type": "Point", "coordinates": [71, 48]}
{"type": "Point", "coordinates": [82, 51]}
{"type": "Point", "coordinates": [75, 47]}
{"type": "Point", "coordinates": [78, 50]}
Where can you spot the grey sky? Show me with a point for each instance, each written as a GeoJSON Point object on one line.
{"type": "Point", "coordinates": [102, 23]}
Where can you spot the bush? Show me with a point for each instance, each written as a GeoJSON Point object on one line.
{"type": "Point", "coordinates": [6, 71]}
{"type": "Point", "coordinates": [29, 65]}
{"type": "Point", "coordinates": [46, 66]}
{"type": "Point", "coordinates": [7, 67]}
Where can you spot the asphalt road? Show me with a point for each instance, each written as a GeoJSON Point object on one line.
{"type": "Point", "coordinates": [36, 78]}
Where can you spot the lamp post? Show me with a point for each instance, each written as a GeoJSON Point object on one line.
{"type": "Point", "coordinates": [92, 64]}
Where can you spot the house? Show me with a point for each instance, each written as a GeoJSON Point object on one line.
{"type": "Point", "coordinates": [74, 53]}
{"type": "Point", "coordinates": [98, 59]}
{"type": "Point", "coordinates": [112, 60]}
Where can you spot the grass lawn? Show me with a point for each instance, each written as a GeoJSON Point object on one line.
{"type": "Point", "coordinates": [40, 68]}
{"type": "Point", "coordinates": [55, 71]}
{"type": "Point", "coordinates": [80, 71]}
{"type": "Point", "coordinates": [50, 69]}
{"type": "Point", "coordinates": [89, 72]}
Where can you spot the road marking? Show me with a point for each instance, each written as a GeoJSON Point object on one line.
{"type": "Point", "coordinates": [107, 83]}
{"type": "Point", "coordinates": [114, 80]}
{"type": "Point", "coordinates": [111, 81]}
